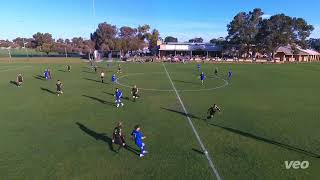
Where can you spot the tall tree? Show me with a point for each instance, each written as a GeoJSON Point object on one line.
{"type": "Point", "coordinates": [129, 39]}
{"type": "Point", "coordinates": [281, 30]}
{"type": "Point", "coordinates": [104, 37]}
{"type": "Point", "coordinates": [44, 42]}
{"type": "Point", "coordinates": [314, 44]}
{"type": "Point", "coordinates": [244, 27]}
{"type": "Point", "coordinates": [218, 41]}
{"type": "Point", "coordinates": [170, 39]}
{"type": "Point", "coordinates": [301, 31]}
{"type": "Point", "coordinates": [153, 39]}
{"type": "Point", "coordinates": [143, 32]}
{"type": "Point", "coordinates": [42, 38]}
{"type": "Point", "coordinates": [196, 40]}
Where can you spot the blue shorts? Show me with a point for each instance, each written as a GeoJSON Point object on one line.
{"type": "Point", "coordinates": [140, 145]}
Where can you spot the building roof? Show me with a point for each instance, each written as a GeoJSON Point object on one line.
{"type": "Point", "coordinates": [189, 47]}
{"type": "Point", "coordinates": [287, 50]}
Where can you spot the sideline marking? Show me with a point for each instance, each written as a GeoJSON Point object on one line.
{"type": "Point", "coordinates": [215, 171]}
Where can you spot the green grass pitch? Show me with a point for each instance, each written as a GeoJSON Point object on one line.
{"type": "Point", "coordinates": [270, 114]}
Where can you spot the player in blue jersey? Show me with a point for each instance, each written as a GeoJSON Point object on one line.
{"type": "Point", "coordinates": [113, 78]}
{"type": "Point", "coordinates": [46, 74]}
{"type": "Point", "coordinates": [118, 96]}
{"type": "Point", "coordinates": [138, 137]}
{"type": "Point", "coordinates": [229, 74]}
{"type": "Point", "coordinates": [199, 67]}
{"type": "Point", "coordinates": [202, 76]}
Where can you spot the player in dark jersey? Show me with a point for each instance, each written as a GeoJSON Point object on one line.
{"type": "Point", "coordinates": [49, 74]}
{"type": "Point", "coordinates": [19, 80]}
{"type": "Point", "coordinates": [212, 110]}
{"type": "Point", "coordinates": [230, 74]}
{"type": "Point", "coordinates": [119, 69]}
{"type": "Point", "coordinates": [69, 68]}
{"type": "Point", "coordinates": [95, 68]}
{"type": "Point", "coordinates": [117, 136]}
{"type": "Point", "coordinates": [59, 87]}
{"type": "Point", "coordinates": [216, 71]}
{"type": "Point", "coordinates": [134, 93]}
{"type": "Point", "coordinates": [102, 77]}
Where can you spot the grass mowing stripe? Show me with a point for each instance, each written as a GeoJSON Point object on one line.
{"type": "Point", "coordinates": [215, 171]}
{"type": "Point", "coordinates": [14, 68]}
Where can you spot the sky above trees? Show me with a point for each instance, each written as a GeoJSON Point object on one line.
{"type": "Point", "coordinates": [202, 18]}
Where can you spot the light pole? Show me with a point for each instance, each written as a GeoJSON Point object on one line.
{"type": "Point", "coordinates": [9, 51]}
{"type": "Point", "coordinates": [65, 51]}
{"type": "Point", "coordinates": [94, 14]}
{"type": "Point", "coordinates": [24, 46]}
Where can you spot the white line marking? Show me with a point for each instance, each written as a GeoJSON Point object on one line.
{"type": "Point", "coordinates": [15, 68]}
{"type": "Point", "coordinates": [215, 171]}
{"type": "Point", "coordinates": [226, 83]}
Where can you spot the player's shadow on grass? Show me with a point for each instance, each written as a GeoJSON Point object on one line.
{"type": "Point", "coordinates": [103, 137]}
{"type": "Point", "coordinates": [47, 90]}
{"type": "Point", "coordinates": [184, 114]}
{"type": "Point", "coordinates": [62, 70]}
{"type": "Point", "coordinates": [39, 77]}
{"type": "Point", "coordinates": [94, 80]}
{"type": "Point", "coordinates": [186, 82]}
{"type": "Point", "coordinates": [90, 72]}
{"type": "Point", "coordinates": [197, 151]}
{"type": "Point", "coordinates": [253, 136]}
{"type": "Point", "coordinates": [14, 83]}
{"type": "Point", "coordinates": [98, 99]}
{"type": "Point", "coordinates": [126, 98]}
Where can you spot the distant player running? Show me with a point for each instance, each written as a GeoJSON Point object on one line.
{"type": "Point", "coordinates": [69, 68]}
{"type": "Point", "coordinates": [118, 96]}
{"type": "Point", "coordinates": [138, 137]}
{"type": "Point", "coordinates": [199, 67]}
{"type": "Point", "coordinates": [119, 69]}
{"type": "Point", "coordinates": [95, 68]}
{"type": "Point", "coordinates": [46, 74]}
{"type": "Point", "coordinates": [49, 74]}
{"type": "Point", "coordinates": [229, 74]}
{"type": "Point", "coordinates": [102, 77]}
{"type": "Point", "coordinates": [134, 93]}
{"type": "Point", "coordinates": [59, 87]}
{"type": "Point", "coordinates": [113, 78]}
{"type": "Point", "coordinates": [216, 71]}
{"type": "Point", "coordinates": [117, 136]}
{"type": "Point", "coordinates": [212, 110]}
{"type": "Point", "coordinates": [202, 77]}
{"type": "Point", "coordinates": [19, 80]}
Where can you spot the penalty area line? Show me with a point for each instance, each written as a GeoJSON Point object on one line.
{"type": "Point", "coordinates": [215, 171]}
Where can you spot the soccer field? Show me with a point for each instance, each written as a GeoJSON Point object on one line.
{"type": "Point", "coordinates": [270, 114]}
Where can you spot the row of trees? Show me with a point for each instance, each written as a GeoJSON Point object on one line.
{"type": "Point", "coordinates": [107, 37]}
{"type": "Point", "coordinates": [45, 43]}
{"type": "Point", "coordinates": [247, 33]}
